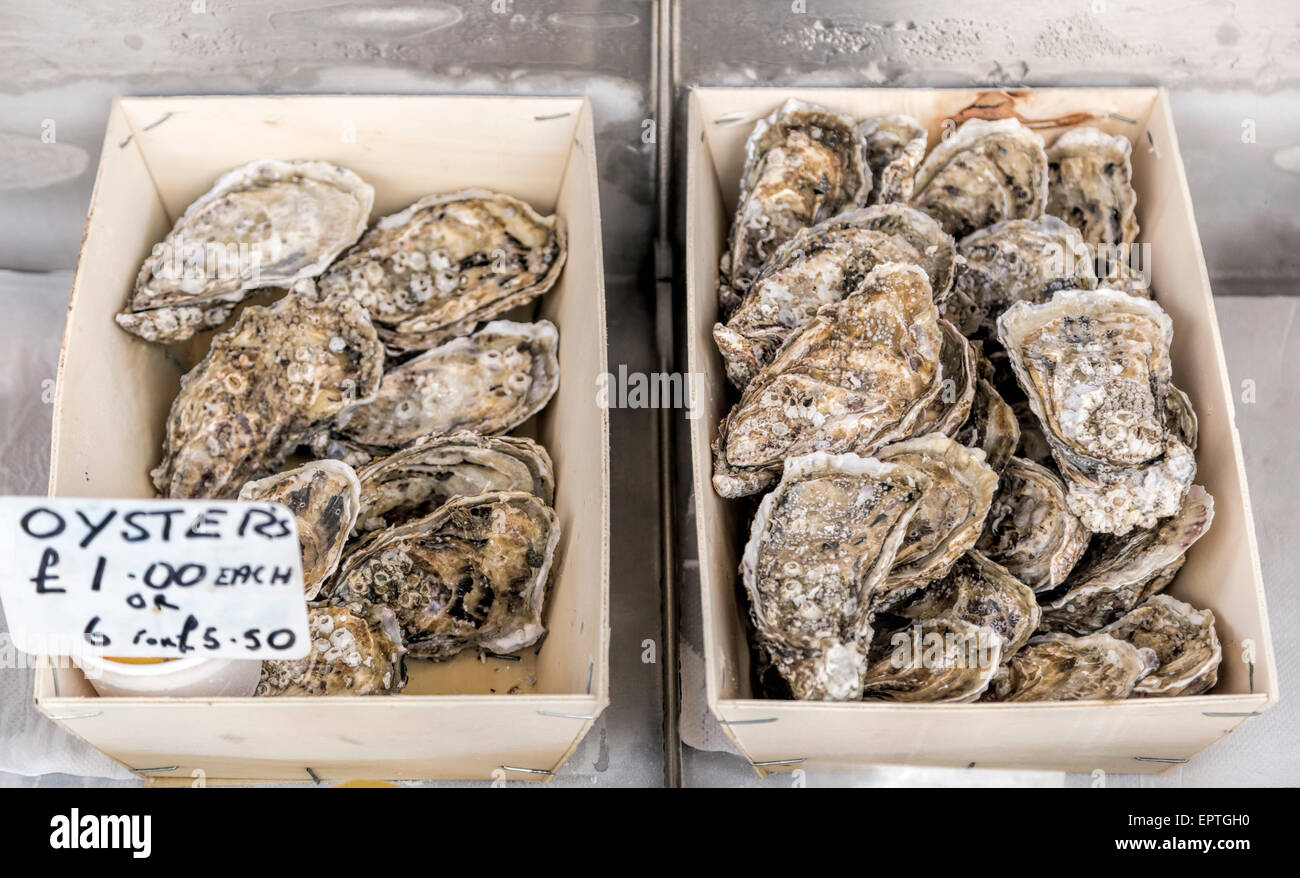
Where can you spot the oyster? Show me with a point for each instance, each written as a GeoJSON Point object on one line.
{"type": "Point", "coordinates": [991, 426]}
{"type": "Point", "coordinates": [352, 653]}
{"type": "Point", "coordinates": [1095, 366]}
{"type": "Point", "coordinates": [324, 497]}
{"type": "Point", "coordinates": [264, 386]}
{"type": "Point", "coordinates": [1181, 417]}
{"type": "Point", "coordinates": [1057, 667]}
{"type": "Point", "coordinates": [266, 224]}
{"type": "Point", "coordinates": [473, 574]}
{"type": "Point", "coordinates": [936, 660]}
{"type": "Point", "coordinates": [978, 591]}
{"type": "Point", "coordinates": [1015, 261]}
{"type": "Point", "coordinates": [417, 479]}
{"type": "Point", "coordinates": [803, 164]}
{"type": "Point", "coordinates": [1030, 530]}
{"type": "Point", "coordinates": [984, 173]}
{"type": "Point", "coordinates": [895, 146]}
{"type": "Point", "coordinates": [1118, 573]}
{"type": "Point", "coordinates": [952, 510]}
{"type": "Point", "coordinates": [1090, 185]}
{"type": "Point", "coordinates": [856, 377]}
{"type": "Point", "coordinates": [950, 407]}
{"type": "Point", "coordinates": [488, 382]}
{"type": "Point", "coordinates": [821, 265]}
{"type": "Point", "coordinates": [447, 262]}
{"type": "Point", "coordinates": [1183, 639]}
{"type": "Point", "coordinates": [820, 545]}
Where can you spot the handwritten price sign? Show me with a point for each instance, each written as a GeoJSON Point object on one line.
{"type": "Point", "coordinates": [152, 578]}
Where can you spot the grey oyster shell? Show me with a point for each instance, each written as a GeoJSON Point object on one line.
{"type": "Point", "coordinates": [1090, 185]}
{"type": "Point", "coordinates": [1095, 367]}
{"type": "Point", "coordinates": [488, 382]}
{"type": "Point", "coordinates": [1184, 641]}
{"type": "Point", "coordinates": [953, 506]}
{"type": "Point", "coordinates": [976, 590]}
{"type": "Point", "coordinates": [1058, 667]}
{"type": "Point", "coordinates": [950, 407]}
{"type": "Point", "coordinates": [1030, 530]}
{"type": "Point", "coordinates": [803, 164]}
{"type": "Point", "coordinates": [1118, 573]}
{"type": "Point", "coordinates": [352, 653]}
{"type": "Point", "coordinates": [821, 265]}
{"type": "Point", "coordinates": [991, 427]}
{"type": "Point", "coordinates": [266, 224]}
{"type": "Point", "coordinates": [1015, 261]}
{"type": "Point", "coordinates": [416, 480]}
{"type": "Point", "coordinates": [473, 574]}
{"type": "Point", "coordinates": [856, 377]}
{"type": "Point", "coordinates": [942, 660]}
{"type": "Point", "coordinates": [984, 173]}
{"type": "Point", "coordinates": [1181, 417]}
{"type": "Point", "coordinates": [265, 385]}
{"type": "Point", "coordinates": [324, 497]}
{"type": "Point", "coordinates": [820, 545]}
{"type": "Point", "coordinates": [432, 271]}
{"type": "Point", "coordinates": [895, 147]}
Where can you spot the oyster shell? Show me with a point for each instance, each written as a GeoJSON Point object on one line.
{"type": "Point", "coordinates": [1015, 261]}
{"type": "Point", "coordinates": [984, 173]}
{"type": "Point", "coordinates": [952, 510]}
{"type": "Point", "coordinates": [1030, 530]}
{"type": "Point", "coordinates": [1181, 417]}
{"type": "Point", "coordinates": [473, 574]}
{"type": "Point", "coordinates": [266, 224]}
{"type": "Point", "coordinates": [950, 407]}
{"type": "Point", "coordinates": [1118, 573]}
{"type": "Point", "coordinates": [417, 479]}
{"type": "Point", "coordinates": [488, 382]}
{"type": "Point", "coordinates": [352, 653]}
{"type": "Point", "coordinates": [1095, 366]}
{"type": "Point", "coordinates": [856, 377]}
{"type": "Point", "coordinates": [820, 545]}
{"type": "Point", "coordinates": [432, 271]}
{"type": "Point", "coordinates": [895, 146]}
{"type": "Point", "coordinates": [266, 383]}
{"type": "Point", "coordinates": [1183, 639]}
{"type": "Point", "coordinates": [991, 427]}
{"type": "Point", "coordinates": [1057, 667]}
{"type": "Point", "coordinates": [1090, 185]}
{"type": "Point", "coordinates": [324, 497]}
{"type": "Point", "coordinates": [946, 660]}
{"type": "Point", "coordinates": [803, 164]}
{"type": "Point", "coordinates": [821, 265]}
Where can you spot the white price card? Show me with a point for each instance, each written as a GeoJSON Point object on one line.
{"type": "Point", "coordinates": [152, 578]}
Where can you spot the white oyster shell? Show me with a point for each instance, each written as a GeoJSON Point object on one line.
{"type": "Point", "coordinates": [895, 147]}
{"type": "Point", "coordinates": [352, 653]}
{"type": "Point", "coordinates": [324, 497]}
{"type": "Point", "coordinates": [1058, 667]}
{"type": "Point", "coordinates": [266, 224]}
{"type": "Point", "coordinates": [1184, 641]}
{"type": "Point", "coordinates": [1030, 530]}
{"type": "Point", "coordinates": [1090, 185]}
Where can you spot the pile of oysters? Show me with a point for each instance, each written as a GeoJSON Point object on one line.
{"type": "Point", "coordinates": [369, 390]}
{"type": "Point", "coordinates": [956, 402]}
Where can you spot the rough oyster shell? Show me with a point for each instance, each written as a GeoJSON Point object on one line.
{"type": "Point", "coordinates": [1095, 366]}
{"type": "Point", "coordinates": [473, 574]}
{"type": "Point", "coordinates": [803, 164]}
{"type": "Point", "coordinates": [856, 377]}
{"type": "Point", "coordinates": [945, 660]}
{"type": "Point", "coordinates": [1057, 667]}
{"type": "Point", "coordinates": [984, 173]}
{"type": "Point", "coordinates": [821, 265]}
{"type": "Point", "coordinates": [1183, 639]}
{"type": "Point", "coordinates": [820, 545]}
{"type": "Point", "coordinates": [991, 427]}
{"type": "Point", "coordinates": [895, 146]}
{"type": "Point", "coordinates": [432, 271]}
{"type": "Point", "coordinates": [352, 653]}
{"type": "Point", "coordinates": [266, 224]}
{"type": "Point", "coordinates": [264, 386]}
{"type": "Point", "coordinates": [1181, 417]}
{"type": "Point", "coordinates": [1090, 185]}
{"type": "Point", "coordinates": [1030, 530]}
{"type": "Point", "coordinates": [324, 497]}
{"type": "Point", "coordinates": [421, 477]}
{"type": "Point", "coordinates": [488, 382]}
{"type": "Point", "coordinates": [1118, 573]}
{"type": "Point", "coordinates": [1015, 261]}
{"type": "Point", "coordinates": [948, 409]}
{"type": "Point", "coordinates": [953, 506]}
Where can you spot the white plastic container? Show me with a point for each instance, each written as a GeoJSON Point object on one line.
{"type": "Point", "coordinates": [210, 677]}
